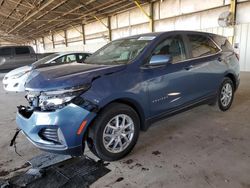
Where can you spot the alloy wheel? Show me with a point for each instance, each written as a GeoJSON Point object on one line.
{"type": "Point", "coordinates": [226, 94]}
{"type": "Point", "coordinates": [118, 133]}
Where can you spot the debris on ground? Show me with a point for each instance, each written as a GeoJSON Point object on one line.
{"type": "Point", "coordinates": [51, 170]}
{"type": "Point", "coordinates": [129, 161]}
{"type": "Point", "coordinates": [144, 169]}
{"type": "Point", "coordinates": [156, 153]}
{"type": "Point", "coordinates": [47, 159]}
{"type": "Point", "coordinates": [3, 173]}
{"type": "Point", "coordinates": [119, 179]}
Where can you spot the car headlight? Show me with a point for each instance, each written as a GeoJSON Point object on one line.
{"type": "Point", "coordinates": [53, 100]}
{"type": "Point", "coordinates": [15, 76]}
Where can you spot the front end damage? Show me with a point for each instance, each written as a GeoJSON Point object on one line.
{"type": "Point", "coordinates": [59, 110]}
{"type": "Point", "coordinates": [56, 121]}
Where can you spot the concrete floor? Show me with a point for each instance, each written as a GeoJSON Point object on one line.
{"type": "Point", "coordinates": [202, 147]}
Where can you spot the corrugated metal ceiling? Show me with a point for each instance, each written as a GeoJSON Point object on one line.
{"type": "Point", "coordinates": [24, 20]}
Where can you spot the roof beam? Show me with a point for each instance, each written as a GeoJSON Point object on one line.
{"type": "Point", "coordinates": [58, 17]}
{"type": "Point", "coordinates": [14, 9]}
{"type": "Point", "coordinates": [21, 4]}
{"type": "Point", "coordinates": [45, 13]}
{"type": "Point", "coordinates": [5, 15]}
{"type": "Point", "coordinates": [149, 16]}
{"type": "Point", "coordinates": [1, 2]}
{"type": "Point", "coordinates": [89, 12]}
{"type": "Point", "coordinates": [31, 15]}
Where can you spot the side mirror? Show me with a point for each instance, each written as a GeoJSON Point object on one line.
{"type": "Point", "coordinates": [160, 59]}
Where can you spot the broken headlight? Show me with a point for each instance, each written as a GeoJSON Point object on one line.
{"type": "Point", "coordinates": [52, 100]}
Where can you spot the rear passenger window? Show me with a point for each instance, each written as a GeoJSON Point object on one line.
{"type": "Point", "coordinates": [22, 50]}
{"type": "Point", "coordinates": [202, 46]}
{"type": "Point", "coordinates": [224, 44]}
{"type": "Point", "coordinates": [5, 51]}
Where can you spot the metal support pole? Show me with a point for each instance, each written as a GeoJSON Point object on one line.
{"type": "Point", "coordinates": [109, 29]}
{"type": "Point", "coordinates": [43, 43]}
{"type": "Point", "coordinates": [233, 8]}
{"type": "Point", "coordinates": [36, 46]}
{"type": "Point", "coordinates": [66, 38]}
{"type": "Point", "coordinates": [83, 34]}
{"type": "Point", "coordinates": [100, 21]}
{"type": "Point", "coordinates": [149, 16]}
{"type": "Point", "coordinates": [107, 26]}
{"type": "Point", "coordinates": [53, 41]}
{"type": "Point", "coordinates": [151, 21]}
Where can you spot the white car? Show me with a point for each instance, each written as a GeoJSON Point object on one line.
{"type": "Point", "coordinates": [15, 79]}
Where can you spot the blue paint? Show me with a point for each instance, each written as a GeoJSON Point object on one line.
{"type": "Point", "coordinates": [153, 90]}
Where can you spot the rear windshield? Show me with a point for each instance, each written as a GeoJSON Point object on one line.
{"type": "Point", "coordinates": [224, 44]}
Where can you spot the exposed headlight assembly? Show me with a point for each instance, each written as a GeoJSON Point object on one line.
{"type": "Point", "coordinates": [57, 99]}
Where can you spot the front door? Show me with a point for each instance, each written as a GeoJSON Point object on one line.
{"type": "Point", "coordinates": [170, 85]}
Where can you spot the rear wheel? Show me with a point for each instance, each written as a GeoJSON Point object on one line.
{"type": "Point", "coordinates": [226, 94]}
{"type": "Point", "coordinates": [115, 132]}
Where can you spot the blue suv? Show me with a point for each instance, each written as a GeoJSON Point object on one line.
{"type": "Point", "coordinates": [123, 88]}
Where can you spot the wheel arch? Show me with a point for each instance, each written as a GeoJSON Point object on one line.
{"type": "Point", "coordinates": [232, 77]}
{"type": "Point", "coordinates": [127, 101]}
{"type": "Point", "coordinates": [136, 106]}
{"type": "Point", "coordinates": [87, 135]}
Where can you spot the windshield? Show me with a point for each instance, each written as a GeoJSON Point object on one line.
{"type": "Point", "coordinates": [119, 52]}
{"type": "Point", "coordinates": [44, 60]}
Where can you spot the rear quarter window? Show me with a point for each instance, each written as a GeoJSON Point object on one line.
{"type": "Point", "coordinates": [202, 46]}
{"type": "Point", "coordinates": [5, 51]}
{"type": "Point", "coordinates": [22, 50]}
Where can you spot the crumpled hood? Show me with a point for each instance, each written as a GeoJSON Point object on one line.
{"type": "Point", "coordinates": [67, 76]}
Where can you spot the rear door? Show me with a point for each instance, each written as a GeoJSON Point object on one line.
{"type": "Point", "coordinates": [205, 65]}
{"type": "Point", "coordinates": [23, 56]}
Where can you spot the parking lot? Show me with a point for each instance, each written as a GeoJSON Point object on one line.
{"type": "Point", "coordinates": [202, 147]}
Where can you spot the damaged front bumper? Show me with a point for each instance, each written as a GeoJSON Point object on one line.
{"type": "Point", "coordinates": [59, 131]}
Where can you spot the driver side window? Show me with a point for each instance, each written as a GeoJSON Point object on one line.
{"type": "Point", "coordinates": [173, 46]}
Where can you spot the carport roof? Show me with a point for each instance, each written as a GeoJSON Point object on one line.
{"type": "Point", "coordinates": [25, 20]}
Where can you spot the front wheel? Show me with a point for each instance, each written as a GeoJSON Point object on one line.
{"type": "Point", "coordinates": [226, 94]}
{"type": "Point", "coordinates": [114, 132]}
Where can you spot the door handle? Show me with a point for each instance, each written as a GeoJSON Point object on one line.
{"type": "Point", "coordinates": [189, 67]}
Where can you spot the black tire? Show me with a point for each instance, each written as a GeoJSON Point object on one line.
{"type": "Point", "coordinates": [95, 135]}
{"type": "Point", "coordinates": [225, 107]}
{"type": "Point", "coordinates": [91, 146]}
